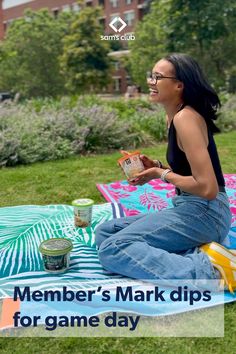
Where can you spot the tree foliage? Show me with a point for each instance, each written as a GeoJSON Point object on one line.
{"type": "Point", "coordinates": [29, 54]}
{"type": "Point", "coordinates": [150, 41]}
{"type": "Point", "coordinates": [85, 63]}
{"type": "Point", "coordinates": [205, 29]}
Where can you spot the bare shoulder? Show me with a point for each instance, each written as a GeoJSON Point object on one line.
{"type": "Point", "coordinates": [188, 116]}
{"type": "Point", "coordinates": [189, 123]}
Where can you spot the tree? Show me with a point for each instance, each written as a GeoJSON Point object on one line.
{"type": "Point", "coordinates": [150, 42]}
{"type": "Point", "coordinates": [205, 29]}
{"type": "Point", "coordinates": [85, 62]}
{"type": "Point", "coordinates": [29, 54]}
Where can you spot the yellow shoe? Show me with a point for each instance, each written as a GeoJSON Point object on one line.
{"type": "Point", "coordinates": [224, 260]}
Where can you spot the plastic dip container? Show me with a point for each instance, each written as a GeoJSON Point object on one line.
{"type": "Point", "coordinates": [131, 164]}
{"type": "Point", "coordinates": [83, 212]}
{"type": "Point", "coordinates": [56, 254]}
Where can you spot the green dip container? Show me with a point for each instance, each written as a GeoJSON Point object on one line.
{"type": "Point", "coordinates": [56, 254]}
{"type": "Point", "coordinates": [83, 212]}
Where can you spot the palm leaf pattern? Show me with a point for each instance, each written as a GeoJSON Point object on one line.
{"type": "Point", "coordinates": [23, 228]}
{"type": "Point", "coordinates": [152, 200]}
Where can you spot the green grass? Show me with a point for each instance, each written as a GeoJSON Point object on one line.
{"type": "Point", "coordinates": [61, 182]}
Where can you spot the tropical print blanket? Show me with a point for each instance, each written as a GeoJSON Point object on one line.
{"type": "Point", "coordinates": [156, 195]}
{"type": "Point", "coordinates": [23, 228]}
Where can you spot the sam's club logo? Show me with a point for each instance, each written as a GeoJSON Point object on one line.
{"type": "Point", "coordinates": [116, 21]}
{"type": "Point", "coordinates": [117, 24]}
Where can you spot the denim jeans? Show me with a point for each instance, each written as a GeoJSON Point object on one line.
{"type": "Point", "coordinates": [164, 244]}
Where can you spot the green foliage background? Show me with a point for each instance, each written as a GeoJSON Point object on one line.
{"type": "Point", "coordinates": [29, 55]}
{"type": "Point", "coordinates": [51, 129]}
{"type": "Point", "coordinates": [204, 29]}
{"type": "Point", "coordinates": [85, 62]}
{"type": "Point", "coordinates": [45, 56]}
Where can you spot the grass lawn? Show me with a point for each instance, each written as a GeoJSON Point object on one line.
{"type": "Point", "coordinates": [60, 182]}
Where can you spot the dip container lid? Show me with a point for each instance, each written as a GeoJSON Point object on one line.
{"type": "Point", "coordinates": [126, 156]}
{"type": "Point", "coordinates": [83, 202]}
{"type": "Point", "coordinates": [56, 246]}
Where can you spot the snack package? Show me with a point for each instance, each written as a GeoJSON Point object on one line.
{"type": "Point", "coordinates": [131, 164]}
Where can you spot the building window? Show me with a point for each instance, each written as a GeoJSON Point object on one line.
{"type": "Point", "coordinates": [128, 2]}
{"type": "Point", "coordinates": [76, 7]}
{"type": "Point", "coordinates": [55, 12]}
{"type": "Point", "coordinates": [101, 3]}
{"type": "Point", "coordinates": [113, 16]}
{"type": "Point", "coordinates": [129, 17]}
{"type": "Point", "coordinates": [114, 3]}
{"type": "Point", "coordinates": [117, 84]}
{"type": "Point", "coordinates": [66, 8]}
{"type": "Point", "coordinates": [117, 65]}
{"type": "Point", "coordinates": [8, 22]}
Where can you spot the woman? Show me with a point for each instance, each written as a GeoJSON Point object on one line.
{"type": "Point", "coordinates": [182, 242]}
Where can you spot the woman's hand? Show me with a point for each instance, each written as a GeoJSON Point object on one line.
{"type": "Point", "coordinates": [148, 163]}
{"type": "Point", "coordinates": [145, 176]}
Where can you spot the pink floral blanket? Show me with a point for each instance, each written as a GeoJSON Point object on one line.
{"type": "Point", "coordinates": [156, 195]}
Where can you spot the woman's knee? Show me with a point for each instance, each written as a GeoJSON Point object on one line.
{"type": "Point", "coordinates": [104, 231]}
{"type": "Point", "coordinates": [100, 234]}
{"type": "Point", "coordinates": [109, 252]}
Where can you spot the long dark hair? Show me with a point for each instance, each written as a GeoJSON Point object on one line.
{"type": "Point", "coordinates": [197, 92]}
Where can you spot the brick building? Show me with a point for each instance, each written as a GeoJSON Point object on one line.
{"type": "Point", "coordinates": [130, 11]}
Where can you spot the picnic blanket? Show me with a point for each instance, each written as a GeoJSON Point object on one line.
{"type": "Point", "coordinates": [23, 228]}
{"type": "Point", "coordinates": [156, 195]}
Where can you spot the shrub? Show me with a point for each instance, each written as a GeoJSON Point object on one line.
{"type": "Point", "coordinates": [8, 148]}
{"type": "Point", "coordinates": [100, 130]}
{"type": "Point", "coordinates": [126, 109]}
{"type": "Point", "coordinates": [39, 130]}
{"type": "Point", "coordinates": [28, 135]}
{"type": "Point", "coordinates": [151, 122]}
{"type": "Point", "coordinates": [227, 117]}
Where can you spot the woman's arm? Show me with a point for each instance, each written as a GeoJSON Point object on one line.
{"type": "Point", "coordinates": [203, 180]}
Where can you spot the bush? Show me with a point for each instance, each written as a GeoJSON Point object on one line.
{"type": "Point", "coordinates": [146, 118]}
{"type": "Point", "coordinates": [39, 130]}
{"type": "Point", "coordinates": [100, 130]}
{"type": "Point", "coordinates": [227, 117]}
{"type": "Point", "coordinates": [28, 135]}
{"type": "Point", "coordinates": [126, 109]}
{"type": "Point", "coordinates": [8, 148]}
{"type": "Point", "coordinates": [151, 122]}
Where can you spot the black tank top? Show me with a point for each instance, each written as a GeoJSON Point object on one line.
{"type": "Point", "coordinates": [177, 159]}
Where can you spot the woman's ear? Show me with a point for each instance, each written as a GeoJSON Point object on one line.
{"type": "Point", "coordinates": [180, 86]}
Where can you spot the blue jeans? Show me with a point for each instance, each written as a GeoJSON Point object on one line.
{"type": "Point", "coordinates": [164, 244]}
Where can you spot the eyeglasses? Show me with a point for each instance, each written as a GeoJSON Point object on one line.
{"type": "Point", "coordinates": [155, 77]}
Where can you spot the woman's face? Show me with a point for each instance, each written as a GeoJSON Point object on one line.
{"type": "Point", "coordinates": [163, 86]}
